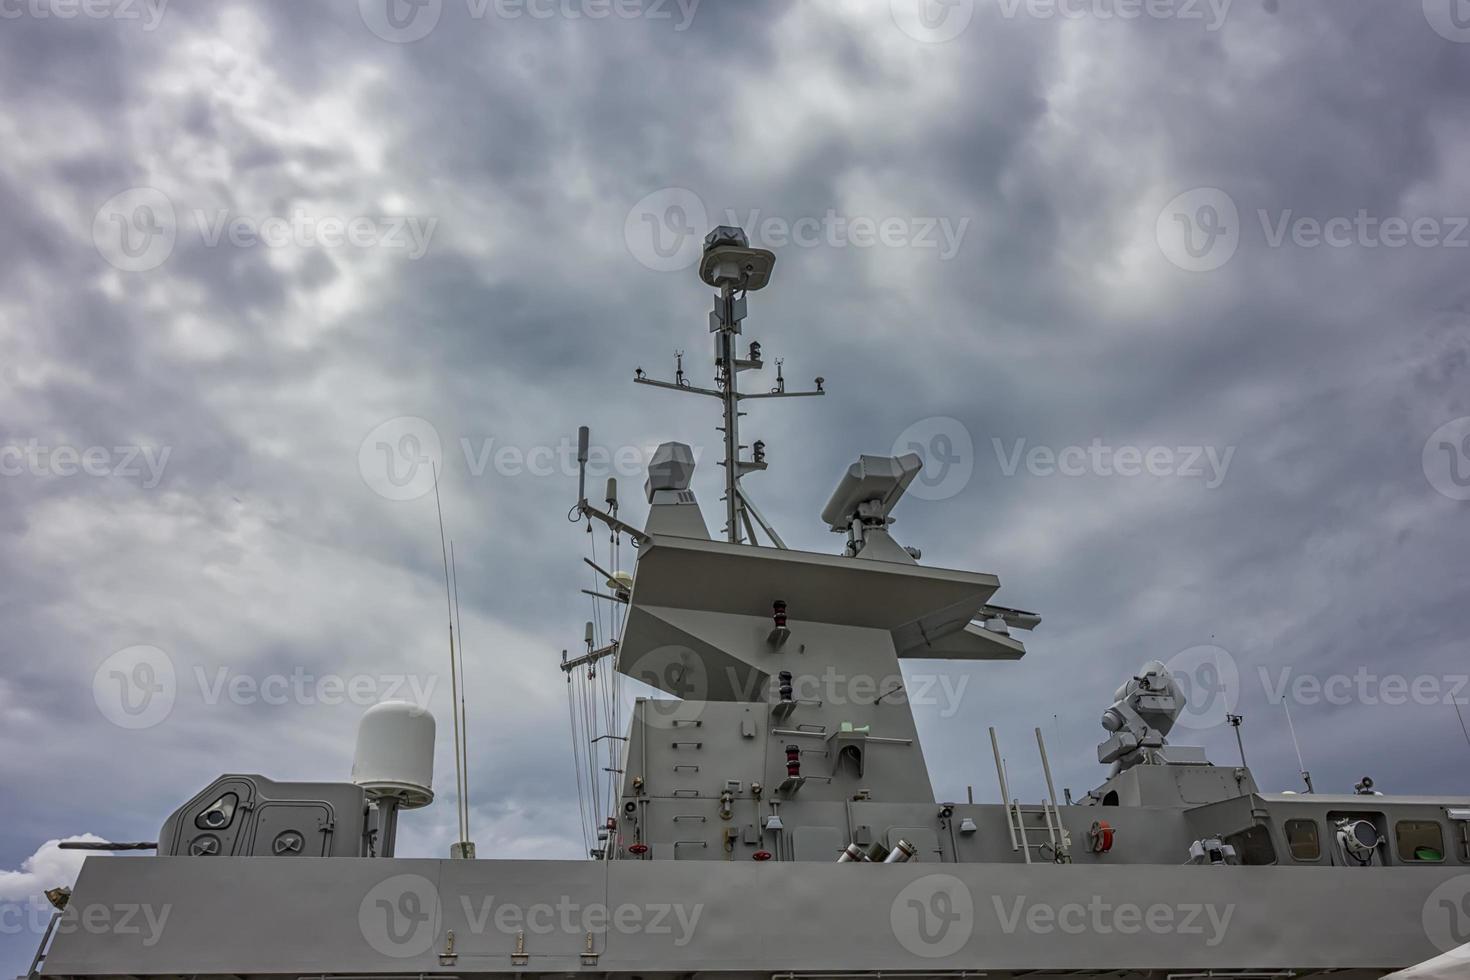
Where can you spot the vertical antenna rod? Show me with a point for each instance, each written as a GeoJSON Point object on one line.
{"type": "Point", "coordinates": [1005, 791]}
{"type": "Point", "coordinates": [583, 508]}
{"type": "Point", "coordinates": [460, 846]}
{"type": "Point", "coordinates": [464, 721]}
{"type": "Point", "coordinates": [1462, 720]}
{"type": "Point", "coordinates": [1060, 851]}
{"type": "Point", "coordinates": [1234, 721]}
{"type": "Point", "coordinates": [1302, 766]}
{"type": "Point", "coordinates": [1046, 767]}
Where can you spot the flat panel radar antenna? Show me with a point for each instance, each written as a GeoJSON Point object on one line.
{"type": "Point", "coordinates": [730, 265]}
{"type": "Point", "coordinates": [863, 500]}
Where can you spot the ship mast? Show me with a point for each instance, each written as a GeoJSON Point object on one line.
{"type": "Point", "coordinates": [732, 266]}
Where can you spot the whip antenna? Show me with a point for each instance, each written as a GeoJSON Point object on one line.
{"type": "Point", "coordinates": [1306, 776]}
{"type": "Point", "coordinates": [462, 848]}
{"type": "Point", "coordinates": [1462, 720]}
{"type": "Point", "coordinates": [464, 723]}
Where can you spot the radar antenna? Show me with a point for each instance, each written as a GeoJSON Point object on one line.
{"type": "Point", "coordinates": [735, 269]}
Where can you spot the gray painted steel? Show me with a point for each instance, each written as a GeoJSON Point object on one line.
{"type": "Point", "coordinates": [282, 916]}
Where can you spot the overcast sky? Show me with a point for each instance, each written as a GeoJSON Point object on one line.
{"type": "Point", "coordinates": [1174, 304]}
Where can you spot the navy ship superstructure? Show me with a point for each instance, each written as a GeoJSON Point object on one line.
{"type": "Point", "coordinates": [772, 815]}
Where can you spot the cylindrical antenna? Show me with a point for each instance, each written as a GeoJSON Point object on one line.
{"type": "Point", "coordinates": [612, 494]}
{"type": "Point", "coordinates": [1301, 766]}
{"type": "Point", "coordinates": [584, 436]}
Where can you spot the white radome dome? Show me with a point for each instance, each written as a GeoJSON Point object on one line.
{"type": "Point", "coordinates": [395, 753]}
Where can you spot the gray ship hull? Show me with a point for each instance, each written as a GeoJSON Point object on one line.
{"type": "Point", "coordinates": [367, 917]}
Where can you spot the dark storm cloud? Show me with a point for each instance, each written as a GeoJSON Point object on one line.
{"type": "Point", "coordinates": [1055, 143]}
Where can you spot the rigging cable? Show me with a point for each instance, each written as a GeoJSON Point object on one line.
{"type": "Point", "coordinates": [577, 761]}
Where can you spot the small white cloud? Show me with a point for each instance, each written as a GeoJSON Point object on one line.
{"type": "Point", "coordinates": [49, 867]}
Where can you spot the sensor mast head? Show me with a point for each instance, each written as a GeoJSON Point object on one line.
{"type": "Point", "coordinates": [729, 261]}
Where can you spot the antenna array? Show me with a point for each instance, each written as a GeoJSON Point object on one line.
{"type": "Point", "coordinates": [733, 267]}
{"type": "Point", "coordinates": [595, 701]}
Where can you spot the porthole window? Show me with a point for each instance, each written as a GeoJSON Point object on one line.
{"type": "Point", "coordinates": [219, 814]}
{"type": "Point", "coordinates": [1419, 840]}
{"type": "Point", "coordinates": [1303, 840]}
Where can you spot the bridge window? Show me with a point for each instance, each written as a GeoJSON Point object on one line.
{"type": "Point", "coordinates": [1303, 839]}
{"type": "Point", "coordinates": [1419, 840]}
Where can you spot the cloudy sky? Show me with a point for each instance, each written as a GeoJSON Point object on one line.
{"type": "Point", "coordinates": [1172, 297]}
